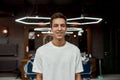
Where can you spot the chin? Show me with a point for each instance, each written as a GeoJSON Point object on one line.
{"type": "Point", "coordinates": [59, 38]}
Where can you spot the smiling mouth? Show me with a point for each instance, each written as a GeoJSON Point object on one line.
{"type": "Point", "coordinates": [59, 32]}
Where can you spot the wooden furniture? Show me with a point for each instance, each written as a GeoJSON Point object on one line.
{"type": "Point", "coordinates": [23, 62]}
{"type": "Point", "coordinates": [93, 64]}
{"type": "Point", "coordinates": [8, 58]}
{"type": "Point", "coordinates": [27, 52]}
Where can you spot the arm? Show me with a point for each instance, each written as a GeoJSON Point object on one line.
{"type": "Point", "coordinates": [78, 76]}
{"type": "Point", "coordinates": [39, 76]}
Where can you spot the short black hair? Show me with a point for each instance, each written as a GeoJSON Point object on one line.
{"type": "Point", "coordinates": [57, 15]}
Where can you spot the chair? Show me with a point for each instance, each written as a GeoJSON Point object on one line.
{"type": "Point", "coordinates": [86, 74]}
{"type": "Point", "coordinates": [28, 69]}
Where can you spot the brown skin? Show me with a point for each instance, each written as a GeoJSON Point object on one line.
{"type": "Point", "coordinates": [59, 28]}
{"type": "Point", "coordinates": [39, 76]}
{"type": "Point", "coordinates": [78, 76]}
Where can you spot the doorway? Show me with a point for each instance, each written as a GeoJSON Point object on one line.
{"type": "Point", "coordinates": [111, 62]}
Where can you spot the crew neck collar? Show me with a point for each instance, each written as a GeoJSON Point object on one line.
{"type": "Point", "coordinates": [58, 46]}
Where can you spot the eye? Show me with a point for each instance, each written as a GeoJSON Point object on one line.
{"type": "Point", "coordinates": [55, 25]}
{"type": "Point", "coordinates": [63, 25]}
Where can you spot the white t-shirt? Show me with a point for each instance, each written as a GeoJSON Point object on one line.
{"type": "Point", "coordinates": [58, 63]}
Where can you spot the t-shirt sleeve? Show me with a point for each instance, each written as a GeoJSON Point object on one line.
{"type": "Point", "coordinates": [37, 64]}
{"type": "Point", "coordinates": [79, 65]}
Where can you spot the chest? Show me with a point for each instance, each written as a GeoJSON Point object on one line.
{"type": "Point", "coordinates": [59, 57]}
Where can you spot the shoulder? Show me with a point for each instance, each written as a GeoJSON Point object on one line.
{"type": "Point", "coordinates": [43, 47]}
{"type": "Point", "coordinates": [74, 49]}
{"type": "Point", "coordinates": [71, 45]}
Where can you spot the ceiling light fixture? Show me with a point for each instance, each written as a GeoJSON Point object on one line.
{"type": "Point", "coordinates": [93, 20]}
{"type": "Point", "coordinates": [68, 29]}
{"type": "Point", "coordinates": [46, 20]}
{"type": "Point", "coordinates": [22, 20]}
{"type": "Point", "coordinates": [48, 32]}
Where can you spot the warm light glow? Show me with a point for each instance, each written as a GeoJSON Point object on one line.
{"type": "Point", "coordinates": [42, 24]}
{"type": "Point", "coordinates": [27, 49]}
{"type": "Point", "coordinates": [74, 35]}
{"type": "Point", "coordinates": [38, 35]}
{"type": "Point", "coordinates": [5, 31]}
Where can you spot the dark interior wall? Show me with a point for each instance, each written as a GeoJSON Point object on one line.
{"type": "Point", "coordinates": [97, 46]}
{"type": "Point", "coordinates": [97, 42]}
{"type": "Point", "coordinates": [15, 37]}
{"type": "Point", "coordinates": [111, 62]}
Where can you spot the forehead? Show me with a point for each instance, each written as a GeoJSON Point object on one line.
{"type": "Point", "coordinates": [58, 21]}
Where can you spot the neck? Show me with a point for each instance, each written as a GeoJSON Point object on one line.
{"type": "Point", "coordinates": [58, 43]}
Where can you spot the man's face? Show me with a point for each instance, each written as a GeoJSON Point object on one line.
{"type": "Point", "coordinates": [58, 28]}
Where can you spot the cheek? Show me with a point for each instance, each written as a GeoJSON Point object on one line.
{"type": "Point", "coordinates": [65, 29]}
{"type": "Point", "coordinates": [52, 30]}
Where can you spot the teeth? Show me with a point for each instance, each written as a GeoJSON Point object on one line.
{"type": "Point", "coordinates": [59, 32]}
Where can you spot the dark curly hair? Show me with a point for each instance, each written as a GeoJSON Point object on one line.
{"type": "Point", "coordinates": [57, 15]}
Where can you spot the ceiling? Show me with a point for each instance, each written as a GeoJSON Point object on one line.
{"type": "Point", "coordinates": [106, 9]}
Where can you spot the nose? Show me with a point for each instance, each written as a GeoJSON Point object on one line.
{"type": "Point", "coordinates": [59, 27]}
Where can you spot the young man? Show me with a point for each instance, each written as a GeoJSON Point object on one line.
{"type": "Point", "coordinates": [58, 59]}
